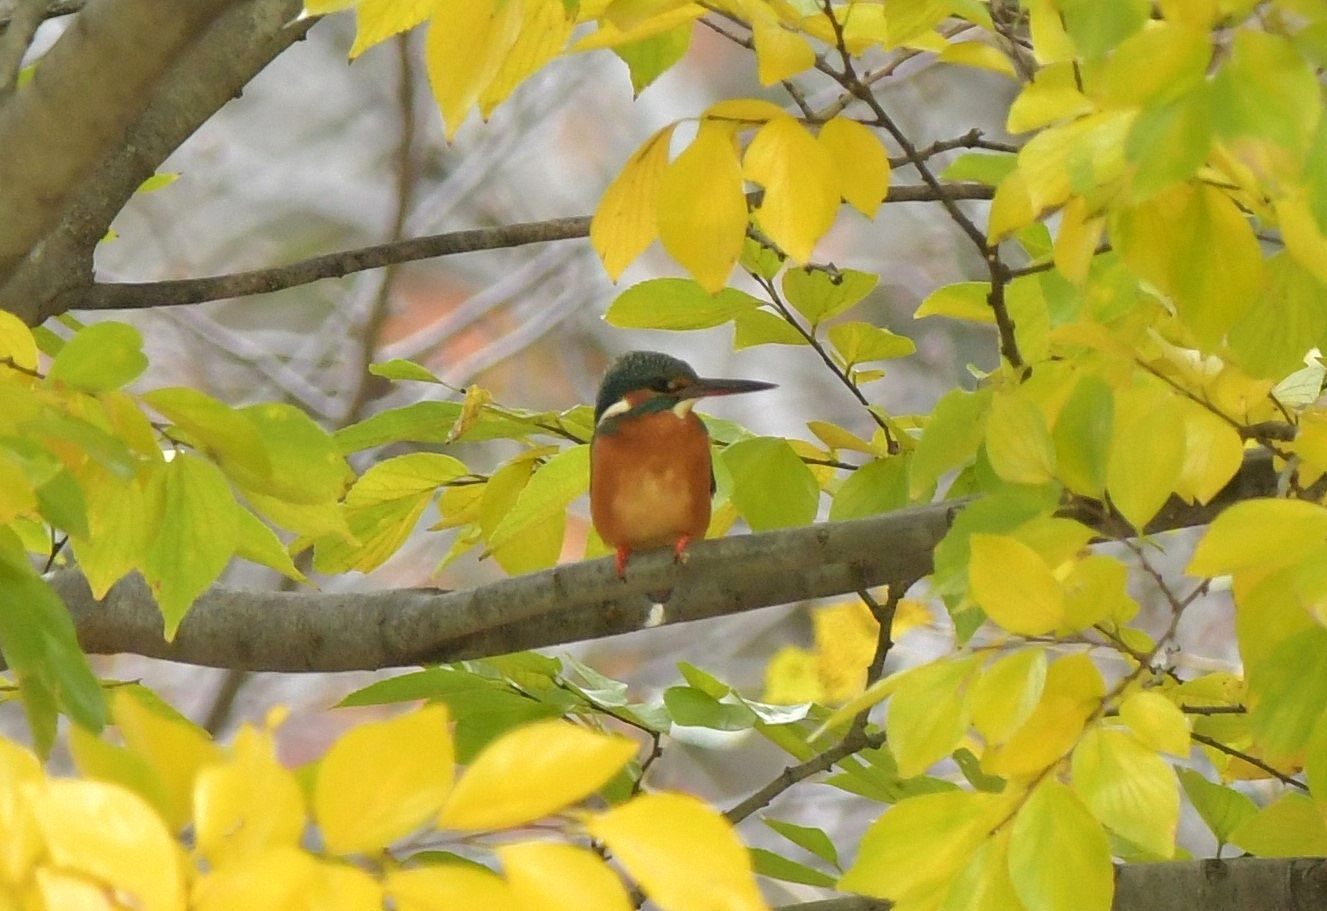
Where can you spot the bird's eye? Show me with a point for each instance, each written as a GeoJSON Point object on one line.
{"type": "Point", "coordinates": [663, 385]}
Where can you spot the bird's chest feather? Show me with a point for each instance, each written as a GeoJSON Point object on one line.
{"type": "Point", "coordinates": [650, 480]}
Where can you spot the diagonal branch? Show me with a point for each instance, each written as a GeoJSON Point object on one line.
{"type": "Point", "coordinates": [303, 631]}
{"type": "Point", "coordinates": [137, 296]}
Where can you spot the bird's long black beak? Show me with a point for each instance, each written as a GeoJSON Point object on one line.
{"type": "Point", "coordinates": [706, 387]}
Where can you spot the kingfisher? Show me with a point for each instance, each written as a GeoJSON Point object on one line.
{"type": "Point", "coordinates": [651, 479]}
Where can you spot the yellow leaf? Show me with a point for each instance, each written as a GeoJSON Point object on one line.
{"type": "Point", "coordinates": [1072, 694]}
{"type": "Point", "coordinates": [65, 890]}
{"type": "Point", "coordinates": [1129, 788]}
{"type": "Point", "coordinates": [450, 887]}
{"type": "Point", "coordinates": [467, 42]}
{"type": "Point", "coordinates": [173, 747]}
{"type": "Point", "coordinates": [1059, 859]}
{"type": "Point", "coordinates": [111, 835]}
{"type": "Point", "coordinates": [1146, 454]}
{"type": "Point", "coordinates": [547, 876]}
{"type": "Point", "coordinates": [383, 780]}
{"type": "Point", "coordinates": [792, 676]}
{"type": "Point", "coordinates": [929, 713]}
{"type": "Point", "coordinates": [1052, 95]}
{"type": "Point", "coordinates": [1013, 584]}
{"type": "Point", "coordinates": [1077, 240]}
{"type": "Point", "coordinates": [1011, 208]}
{"type": "Point", "coordinates": [17, 344]}
{"type": "Point", "coordinates": [1006, 693]}
{"type": "Point", "coordinates": [780, 54]}
{"type": "Point", "coordinates": [277, 878]}
{"type": "Point", "coordinates": [1078, 156]}
{"type": "Point", "coordinates": [544, 31]}
{"type": "Point", "coordinates": [801, 189]}
{"type": "Point", "coordinates": [744, 112]}
{"type": "Point", "coordinates": [1213, 452]}
{"type": "Point", "coordinates": [920, 843]}
{"type": "Point", "coordinates": [1259, 534]}
{"type": "Point", "coordinates": [702, 209]}
{"type": "Point", "coordinates": [611, 35]}
{"type": "Point", "coordinates": [247, 804]}
{"type": "Point", "coordinates": [625, 222]}
{"type": "Point", "coordinates": [20, 842]}
{"type": "Point", "coordinates": [1050, 42]}
{"type": "Point", "coordinates": [860, 162]}
{"type": "Point", "coordinates": [477, 398]}
{"type": "Point", "coordinates": [1096, 590]}
{"type": "Point", "coordinates": [378, 20]}
{"type": "Point", "coordinates": [1157, 722]}
{"type": "Point", "coordinates": [1302, 235]}
{"type": "Point", "coordinates": [984, 884]}
{"type": "Point", "coordinates": [1018, 442]}
{"type": "Point", "coordinates": [684, 855]}
{"type": "Point", "coordinates": [533, 771]}
{"type": "Point", "coordinates": [980, 55]}
{"type": "Point", "coordinates": [845, 637]}
{"type": "Point", "coordinates": [337, 887]}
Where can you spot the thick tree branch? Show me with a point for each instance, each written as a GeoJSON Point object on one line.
{"type": "Point", "coordinates": [141, 295]}
{"type": "Point", "coordinates": [1241, 884]}
{"type": "Point", "coordinates": [204, 76]}
{"type": "Point", "coordinates": [53, 134]}
{"type": "Point", "coordinates": [310, 631]}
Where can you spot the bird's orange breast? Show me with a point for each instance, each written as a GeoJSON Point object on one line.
{"type": "Point", "coordinates": [650, 481]}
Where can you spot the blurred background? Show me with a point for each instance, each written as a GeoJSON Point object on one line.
{"type": "Point", "coordinates": [320, 155]}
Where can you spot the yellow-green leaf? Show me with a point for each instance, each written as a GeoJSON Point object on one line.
{"type": "Point", "coordinates": [772, 487]}
{"type": "Point", "coordinates": [684, 855]}
{"type": "Point", "coordinates": [553, 486]}
{"type": "Point", "coordinates": [780, 54]}
{"type": "Point", "coordinates": [1157, 722]}
{"type": "Point", "coordinates": [801, 188]}
{"type": "Point", "coordinates": [1059, 859]}
{"type": "Point", "coordinates": [1129, 788]}
{"type": "Point", "coordinates": [676, 303]}
{"type": "Point", "coordinates": [702, 209]}
{"type": "Point", "coordinates": [1018, 443]}
{"type": "Point", "coordinates": [859, 161]}
{"type": "Point", "coordinates": [920, 844]}
{"type": "Point", "coordinates": [858, 342]}
{"type": "Point", "coordinates": [626, 221]}
{"type": "Point", "coordinates": [98, 358]}
{"type": "Point", "coordinates": [1004, 696]}
{"type": "Point", "coordinates": [1147, 454]}
{"type": "Point", "coordinates": [382, 780]}
{"type": "Point", "coordinates": [548, 876]}
{"type": "Point", "coordinates": [929, 713]}
{"type": "Point", "coordinates": [196, 538]}
{"type": "Point", "coordinates": [818, 294]}
{"type": "Point", "coordinates": [1259, 533]}
{"type": "Point", "coordinates": [533, 771]}
{"type": "Point", "coordinates": [1291, 826]}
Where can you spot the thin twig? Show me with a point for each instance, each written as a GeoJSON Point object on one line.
{"type": "Point", "coordinates": [790, 776]}
{"type": "Point", "coordinates": [1251, 760]}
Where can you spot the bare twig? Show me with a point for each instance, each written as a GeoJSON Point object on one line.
{"type": "Point", "coordinates": [854, 742]}
{"type": "Point", "coordinates": [15, 39]}
{"type": "Point", "coordinates": [1251, 760]}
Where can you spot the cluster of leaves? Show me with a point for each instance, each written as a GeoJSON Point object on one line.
{"type": "Point", "coordinates": [168, 820]}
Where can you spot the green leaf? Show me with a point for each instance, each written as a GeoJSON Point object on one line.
{"type": "Point", "coordinates": [880, 485]}
{"type": "Point", "coordinates": [767, 863]}
{"type": "Point", "coordinates": [760, 327]}
{"type": "Point", "coordinates": [1059, 859]}
{"type": "Point", "coordinates": [1082, 437]}
{"type": "Point", "coordinates": [1292, 826]}
{"type": "Point", "coordinates": [196, 538]}
{"type": "Point", "coordinates": [431, 683]}
{"type": "Point", "coordinates": [602, 689]}
{"type": "Point", "coordinates": [818, 294]}
{"type": "Point", "coordinates": [772, 487]}
{"type": "Point", "coordinates": [215, 426]}
{"type": "Point", "coordinates": [1097, 27]}
{"type": "Point", "coordinates": [1289, 693]}
{"type": "Point", "coordinates": [1223, 809]}
{"type": "Point", "coordinates": [651, 57]}
{"type": "Point", "coordinates": [808, 838]}
{"type": "Point", "coordinates": [158, 181]}
{"type": "Point", "coordinates": [400, 369]}
{"type": "Point", "coordinates": [99, 357]}
{"type": "Point", "coordinates": [691, 707]}
{"type": "Point", "coordinates": [422, 422]}
{"type": "Point", "coordinates": [257, 543]}
{"type": "Point", "coordinates": [1170, 142]}
{"type": "Point", "coordinates": [857, 343]}
{"type": "Point", "coordinates": [41, 648]}
{"type": "Point", "coordinates": [759, 259]}
{"type": "Point", "coordinates": [61, 503]}
{"type": "Point", "coordinates": [676, 303]}
{"type": "Point", "coordinates": [983, 167]}
{"type": "Point", "coordinates": [1266, 90]}
{"type": "Point", "coordinates": [951, 437]}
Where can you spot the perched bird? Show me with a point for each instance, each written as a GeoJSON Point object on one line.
{"type": "Point", "coordinates": [650, 473]}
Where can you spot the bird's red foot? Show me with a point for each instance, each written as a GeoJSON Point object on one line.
{"type": "Point", "coordinates": [680, 549]}
{"type": "Point", "coordinates": [620, 561]}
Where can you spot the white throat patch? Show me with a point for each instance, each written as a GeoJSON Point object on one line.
{"type": "Point", "coordinates": [621, 406]}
